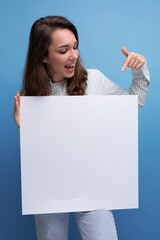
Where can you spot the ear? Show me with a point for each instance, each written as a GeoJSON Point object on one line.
{"type": "Point", "coordinates": [45, 60]}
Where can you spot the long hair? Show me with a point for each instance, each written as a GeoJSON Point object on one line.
{"type": "Point", "coordinates": [35, 78]}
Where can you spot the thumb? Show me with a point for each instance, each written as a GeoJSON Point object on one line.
{"type": "Point", "coordinates": [124, 50]}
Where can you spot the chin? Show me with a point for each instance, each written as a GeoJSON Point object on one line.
{"type": "Point", "coordinates": [69, 75]}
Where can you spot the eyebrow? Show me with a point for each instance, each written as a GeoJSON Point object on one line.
{"type": "Point", "coordinates": [66, 45]}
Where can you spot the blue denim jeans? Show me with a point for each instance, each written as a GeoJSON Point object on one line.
{"type": "Point", "coordinates": [93, 225]}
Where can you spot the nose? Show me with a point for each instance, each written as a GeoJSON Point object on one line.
{"type": "Point", "coordinates": [74, 55]}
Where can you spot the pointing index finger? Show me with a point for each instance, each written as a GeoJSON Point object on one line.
{"type": "Point", "coordinates": [124, 50]}
{"type": "Point", "coordinates": [126, 63]}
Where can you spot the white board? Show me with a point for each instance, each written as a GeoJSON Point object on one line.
{"type": "Point", "coordinates": [78, 153]}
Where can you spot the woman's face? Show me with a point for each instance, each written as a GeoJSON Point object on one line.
{"type": "Point", "coordinates": [62, 53]}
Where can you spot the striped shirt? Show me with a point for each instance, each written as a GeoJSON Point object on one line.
{"type": "Point", "coordinates": [99, 84]}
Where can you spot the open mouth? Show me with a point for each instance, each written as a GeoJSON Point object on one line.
{"type": "Point", "coordinates": [70, 67]}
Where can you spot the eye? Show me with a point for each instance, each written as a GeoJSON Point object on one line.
{"type": "Point", "coordinates": [75, 48]}
{"type": "Point", "coordinates": [63, 52]}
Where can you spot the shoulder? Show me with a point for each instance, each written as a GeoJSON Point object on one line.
{"type": "Point", "coordinates": [94, 82]}
{"type": "Point", "coordinates": [93, 72]}
{"type": "Point", "coordinates": [96, 75]}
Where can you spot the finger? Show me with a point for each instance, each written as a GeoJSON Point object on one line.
{"type": "Point", "coordinates": [17, 102]}
{"type": "Point", "coordinates": [18, 97]}
{"type": "Point", "coordinates": [133, 60]}
{"type": "Point", "coordinates": [124, 50]}
{"type": "Point", "coordinates": [126, 63]}
{"type": "Point", "coordinates": [136, 63]}
{"type": "Point", "coordinates": [141, 62]}
{"type": "Point", "coordinates": [19, 94]}
{"type": "Point", "coordinates": [139, 66]}
{"type": "Point", "coordinates": [15, 105]}
{"type": "Point", "coordinates": [15, 99]}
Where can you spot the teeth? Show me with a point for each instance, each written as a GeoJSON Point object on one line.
{"type": "Point", "coordinates": [70, 65]}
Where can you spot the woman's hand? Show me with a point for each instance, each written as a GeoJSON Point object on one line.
{"type": "Point", "coordinates": [133, 60]}
{"type": "Point", "coordinates": [16, 112]}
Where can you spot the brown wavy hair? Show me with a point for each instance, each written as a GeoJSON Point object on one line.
{"type": "Point", "coordinates": [36, 77]}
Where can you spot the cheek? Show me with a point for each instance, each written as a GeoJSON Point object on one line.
{"type": "Point", "coordinates": [77, 52]}
{"type": "Point", "coordinates": [57, 60]}
{"type": "Point", "coordinates": [62, 60]}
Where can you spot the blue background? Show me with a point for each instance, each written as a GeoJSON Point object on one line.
{"type": "Point", "coordinates": [103, 26]}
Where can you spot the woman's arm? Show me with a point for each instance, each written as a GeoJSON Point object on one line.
{"type": "Point", "coordinates": [140, 83]}
{"type": "Point", "coordinates": [16, 112]}
{"type": "Point", "coordinates": [140, 78]}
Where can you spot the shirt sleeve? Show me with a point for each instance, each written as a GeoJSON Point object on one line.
{"type": "Point", "coordinates": [139, 86]}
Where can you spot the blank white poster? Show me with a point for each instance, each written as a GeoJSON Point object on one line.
{"type": "Point", "coordinates": [78, 153]}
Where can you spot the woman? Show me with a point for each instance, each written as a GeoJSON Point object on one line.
{"type": "Point", "coordinates": [53, 67]}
